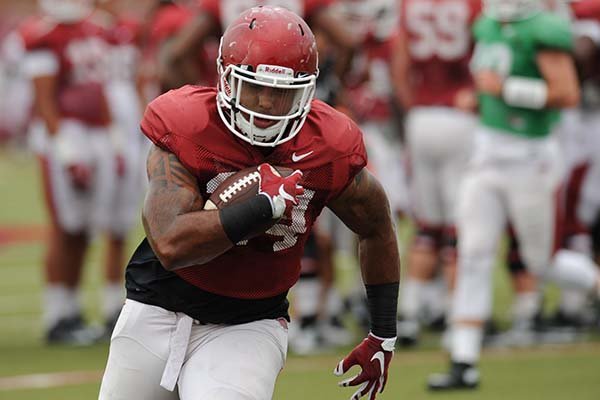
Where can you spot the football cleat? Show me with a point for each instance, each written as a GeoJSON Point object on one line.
{"type": "Point", "coordinates": [460, 376]}
{"type": "Point", "coordinates": [408, 332]}
{"type": "Point", "coordinates": [72, 331]}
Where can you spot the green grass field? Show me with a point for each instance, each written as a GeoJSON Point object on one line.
{"type": "Point", "coordinates": [31, 371]}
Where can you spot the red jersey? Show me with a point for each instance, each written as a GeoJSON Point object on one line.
{"type": "Point", "coordinates": [186, 123]}
{"type": "Point", "coordinates": [168, 22]}
{"type": "Point", "coordinates": [225, 11]}
{"type": "Point", "coordinates": [586, 9]}
{"type": "Point", "coordinates": [370, 88]}
{"type": "Point", "coordinates": [124, 36]}
{"type": "Point", "coordinates": [440, 46]}
{"type": "Point", "coordinates": [79, 49]}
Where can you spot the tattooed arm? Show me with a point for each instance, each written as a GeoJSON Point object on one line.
{"type": "Point", "coordinates": [364, 208]}
{"type": "Point", "coordinates": [180, 232]}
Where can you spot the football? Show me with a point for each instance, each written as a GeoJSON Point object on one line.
{"type": "Point", "coordinates": [240, 186]}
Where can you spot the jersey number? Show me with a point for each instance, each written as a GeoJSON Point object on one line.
{"type": "Point", "coordinates": [438, 28]}
{"type": "Point", "coordinates": [288, 233]}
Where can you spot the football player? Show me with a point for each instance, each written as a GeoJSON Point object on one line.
{"type": "Point", "coordinates": [65, 60]}
{"type": "Point", "coordinates": [206, 307]}
{"type": "Point", "coordinates": [440, 100]}
{"type": "Point", "coordinates": [524, 74]}
{"type": "Point", "coordinates": [129, 147]}
{"type": "Point", "coordinates": [197, 40]}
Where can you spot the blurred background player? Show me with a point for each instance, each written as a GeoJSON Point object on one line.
{"type": "Point", "coordinates": [438, 94]}
{"type": "Point", "coordinates": [15, 105]}
{"type": "Point", "coordinates": [65, 60]}
{"type": "Point", "coordinates": [197, 43]}
{"type": "Point", "coordinates": [524, 75]}
{"type": "Point", "coordinates": [129, 146]}
{"type": "Point", "coordinates": [367, 95]}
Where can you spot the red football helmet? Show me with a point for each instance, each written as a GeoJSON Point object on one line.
{"type": "Point", "coordinates": [267, 73]}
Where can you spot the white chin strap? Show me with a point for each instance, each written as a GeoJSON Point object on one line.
{"type": "Point", "coordinates": [257, 134]}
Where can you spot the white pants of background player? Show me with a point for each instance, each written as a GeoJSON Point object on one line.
{"type": "Point", "coordinates": [132, 146]}
{"type": "Point", "coordinates": [439, 143]}
{"type": "Point", "coordinates": [511, 179]}
{"type": "Point", "coordinates": [386, 161]}
{"type": "Point", "coordinates": [75, 210]}
{"type": "Point", "coordinates": [151, 345]}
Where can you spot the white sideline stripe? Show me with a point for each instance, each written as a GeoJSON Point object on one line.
{"type": "Point", "coordinates": [43, 381]}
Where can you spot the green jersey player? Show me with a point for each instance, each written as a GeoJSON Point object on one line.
{"type": "Point", "coordinates": [524, 75]}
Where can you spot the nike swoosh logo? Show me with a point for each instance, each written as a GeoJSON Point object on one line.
{"type": "Point", "coordinates": [296, 158]}
{"type": "Point", "coordinates": [286, 195]}
{"type": "Point", "coordinates": [381, 358]}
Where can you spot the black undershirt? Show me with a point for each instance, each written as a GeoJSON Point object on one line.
{"type": "Point", "coordinates": [148, 282]}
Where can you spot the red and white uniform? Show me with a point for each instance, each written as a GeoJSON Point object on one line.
{"type": "Point", "coordinates": [166, 22]}
{"type": "Point", "coordinates": [438, 134]}
{"type": "Point", "coordinates": [122, 62]}
{"type": "Point", "coordinates": [74, 54]}
{"type": "Point", "coordinates": [369, 96]}
{"type": "Point", "coordinates": [185, 122]}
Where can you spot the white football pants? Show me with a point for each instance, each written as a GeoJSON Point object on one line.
{"type": "Point", "coordinates": [75, 210]}
{"type": "Point", "coordinates": [151, 345]}
{"type": "Point", "coordinates": [439, 143]}
{"type": "Point", "coordinates": [511, 179]}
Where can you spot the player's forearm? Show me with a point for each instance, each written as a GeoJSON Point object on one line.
{"type": "Point", "coordinates": [190, 239]}
{"type": "Point", "coordinates": [379, 257]}
{"type": "Point", "coordinates": [380, 266]}
{"type": "Point", "coordinates": [45, 102]}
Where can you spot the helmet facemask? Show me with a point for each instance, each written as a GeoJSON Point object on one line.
{"type": "Point", "coordinates": [265, 107]}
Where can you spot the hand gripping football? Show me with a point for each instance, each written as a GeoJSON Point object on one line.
{"type": "Point", "coordinates": [239, 187]}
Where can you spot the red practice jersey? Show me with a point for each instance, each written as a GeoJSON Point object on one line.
{"type": "Point", "coordinates": [186, 123]}
{"type": "Point", "coordinates": [80, 49]}
{"type": "Point", "coordinates": [123, 34]}
{"type": "Point", "coordinates": [225, 11]}
{"type": "Point", "coordinates": [439, 46]}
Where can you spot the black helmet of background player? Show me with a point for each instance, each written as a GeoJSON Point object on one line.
{"type": "Point", "coordinates": [267, 73]}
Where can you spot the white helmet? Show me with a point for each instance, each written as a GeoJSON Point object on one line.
{"type": "Point", "coordinates": [512, 10]}
{"type": "Point", "coordinates": [67, 11]}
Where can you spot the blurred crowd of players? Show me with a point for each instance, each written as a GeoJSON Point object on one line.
{"type": "Point", "coordinates": [75, 76]}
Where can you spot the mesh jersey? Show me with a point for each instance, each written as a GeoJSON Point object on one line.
{"type": "Point", "coordinates": [440, 46]}
{"type": "Point", "coordinates": [186, 123]}
{"type": "Point", "coordinates": [225, 11]}
{"type": "Point", "coordinates": [510, 50]}
{"type": "Point", "coordinates": [79, 49]}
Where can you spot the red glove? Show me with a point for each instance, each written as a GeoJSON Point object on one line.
{"type": "Point", "coordinates": [280, 191]}
{"type": "Point", "coordinates": [81, 175]}
{"type": "Point", "coordinates": [120, 165]}
{"type": "Point", "coordinates": [373, 355]}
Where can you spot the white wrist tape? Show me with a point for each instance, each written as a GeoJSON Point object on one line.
{"type": "Point", "coordinates": [525, 92]}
